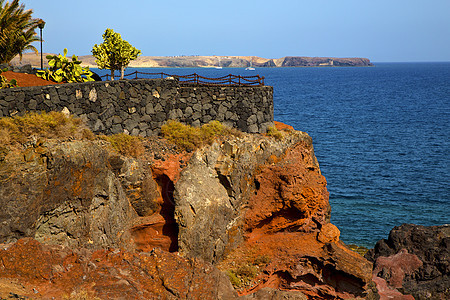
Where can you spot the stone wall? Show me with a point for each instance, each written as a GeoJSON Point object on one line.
{"type": "Point", "coordinates": [141, 106]}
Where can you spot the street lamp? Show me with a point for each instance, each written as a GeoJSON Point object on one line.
{"type": "Point", "coordinates": [41, 25]}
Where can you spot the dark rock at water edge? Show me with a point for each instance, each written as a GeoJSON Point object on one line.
{"type": "Point", "coordinates": [431, 246]}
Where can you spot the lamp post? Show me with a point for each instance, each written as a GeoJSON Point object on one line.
{"type": "Point", "coordinates": [41, 25]}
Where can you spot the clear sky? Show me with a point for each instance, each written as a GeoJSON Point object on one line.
{"type": "Point", "coordinates": [381, 30]}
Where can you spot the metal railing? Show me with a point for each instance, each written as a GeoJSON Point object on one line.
{"type": "Point", "coordinates": [227, 80]}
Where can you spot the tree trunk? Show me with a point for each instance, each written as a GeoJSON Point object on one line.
{"type": "Point", "coordinates": [122, 71]}
{"type": "Point", "coordinates": [112, 74]}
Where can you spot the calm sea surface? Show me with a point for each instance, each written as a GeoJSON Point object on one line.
{"type": "Point", "coordinates": [381, 135]}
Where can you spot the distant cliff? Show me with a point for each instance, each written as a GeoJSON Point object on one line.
{"type": "Point", "coordinates": [296, 61]}
{"type": "Point", "coordinates": [216, 61]}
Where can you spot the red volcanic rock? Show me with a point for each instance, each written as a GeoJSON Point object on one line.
{"type": "Point", "coordinates": [282, 126]}
{"type": "Point", "coordinates": [414, 259]}
{"type": "Point", "coordinates": [289, 243]}
{"type": "Point", "coordinates": [389, 273]}
{"type": "Point", "coordinates": [53, 272]}
{"type": "Point", "coordinates": [395, 267]}
{"type": "Point", "coordinates": [160, 229]}
{"type": "Point", "coordinates": [329, 234]}
{"type": "Point", "coordinates": [291, 195]}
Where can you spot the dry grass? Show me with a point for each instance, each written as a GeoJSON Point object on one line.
{"type": "Point", "coordinates": [189, 138]}
{"type": "Point", "coordinates": [20, 129]}
{"type": "Point", "coordinates": [245, 272]}
{"type": "Point", "coordinates": [81, 295]}
{"type": "Point", "coordinates": [126, 145]}
{"type": "Point", "coordinates": [274, 132]}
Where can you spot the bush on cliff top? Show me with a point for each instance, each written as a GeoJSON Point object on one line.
{"type": "Point", "coordinates": [274, 132]}
{"type": "Point", "coordinates": [19, 129]}
{"type": "Point", "coordinates": [190, 138]}
{"type": "Point", "coordinates": [125, 144]}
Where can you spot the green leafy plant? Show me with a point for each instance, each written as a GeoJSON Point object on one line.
{"type": "Point", "coordinates": [114, 53]}
{"type": "Point", "coordinates": [16, 30]}
{"type": "Point", "coordinates": [5, 83]}
{"type": "Point", "coordinates": [64, 70]}
{"type": "Point", "coordinates": [190, 138]}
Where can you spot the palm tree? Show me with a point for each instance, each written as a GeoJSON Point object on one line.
{"type": "Point", "coordinates": [16, 30]}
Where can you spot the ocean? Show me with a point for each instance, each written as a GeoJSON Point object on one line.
{"type": "Point", "coordinates": [381, 135]}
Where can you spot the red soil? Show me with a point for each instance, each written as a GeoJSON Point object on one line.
{"type": "Point", "coordinates": [24, 79]}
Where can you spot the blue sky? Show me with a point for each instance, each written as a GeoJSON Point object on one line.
{"type": "Point", "coordinates": [381, 30]}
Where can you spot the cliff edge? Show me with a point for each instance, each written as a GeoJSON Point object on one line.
{"type": "Point", "coordinates": [246, 217]}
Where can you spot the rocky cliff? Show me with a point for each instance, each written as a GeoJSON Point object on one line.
{"type": "Point", "coordinates": [215, 61]}
{"type": "Point", "coordinates": [79, 219]}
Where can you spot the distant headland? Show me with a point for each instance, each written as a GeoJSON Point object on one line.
{"type": "Point", "coordinates": [216, 61]}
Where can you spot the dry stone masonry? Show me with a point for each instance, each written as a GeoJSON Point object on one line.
{"type": "Point", "coordinates": [142, 106]}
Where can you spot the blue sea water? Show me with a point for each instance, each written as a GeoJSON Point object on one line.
{"type": "Point", "coordinates": [381, 135]}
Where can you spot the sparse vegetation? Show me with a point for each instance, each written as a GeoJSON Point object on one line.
{"type": "Point", "coordinates": [234, 279]}
{"type": "Point", "coordinates": [81, 295]}
{"type": "Point", "coordinates": [358, 249]}
{"type": "Point", "coordinates": [244, 273]}
{"type": "Point", "coordinates": [19, 129]}
{"type": "Point", "coordinates": [125, 144]}
{"type": "Point", "coordinates": [274, 132]}
{"type": "Point", "coordinates": [189, 138]}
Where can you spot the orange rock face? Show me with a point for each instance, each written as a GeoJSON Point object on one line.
{"type": "Point", "coordinates": [289, 242]}
{"type": "Point", "coordinates": [160, 229]}
{"type": "Point", "coordinates": [291, 196]}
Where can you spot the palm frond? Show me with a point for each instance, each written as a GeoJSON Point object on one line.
{"type": "Point", "coordinates": [17, 30]}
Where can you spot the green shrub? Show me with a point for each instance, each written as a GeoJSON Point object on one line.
{"type": "Point", "coordinates": [274, 132]}
{"type": "Point", "coordinates": [63, 70]}
{"type": "Point", "coordinates": [5, 83]}
{"type": "Point", "coordinates": [19, 129]}
{"type": "Point", "coordinates": [125, 144]}
{"type": "Point", "coordinates": [190, 138]}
